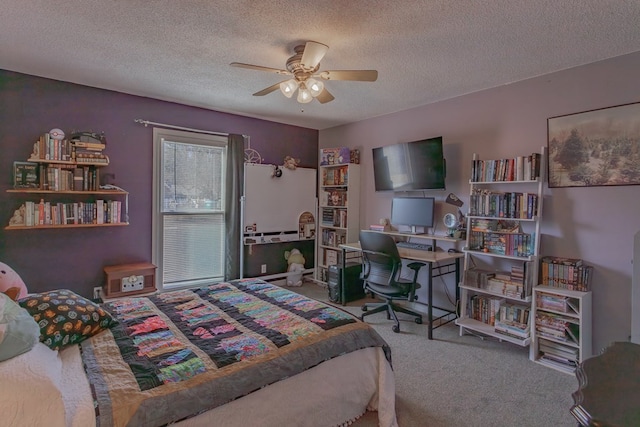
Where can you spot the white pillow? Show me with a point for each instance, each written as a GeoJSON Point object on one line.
{"type": "Point", "coordinates": [18, 331]}
{"type": "Point", "coordinates": [30, 389]}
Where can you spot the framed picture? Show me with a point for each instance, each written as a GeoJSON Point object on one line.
{"type": "Point", "coordinates": [595, 148]}
{"type": "Point", "coordinates": [25, 175]}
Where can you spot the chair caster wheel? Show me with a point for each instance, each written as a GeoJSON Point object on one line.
{"type": "Point", "coordinates": [364, 308]}
{"type": "Point", "coordinates": [419, 320]}
{"type": "Point", "coordinates": [395, 328]}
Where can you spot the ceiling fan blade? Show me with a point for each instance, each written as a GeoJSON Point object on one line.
{"type": "Point", "coordinates": [268, 90]}
{"type": "Point", "coordinates": [313, 54]}
{"type": "Point", "coordinates": [260, 68]}
{"type": "Point", "coordinates": [325, 96]}
{"type": "Point", "coordinates": [354, 75]}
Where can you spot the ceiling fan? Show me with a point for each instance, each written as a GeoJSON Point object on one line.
{"type": "Point", "coordinates": [303, 67]}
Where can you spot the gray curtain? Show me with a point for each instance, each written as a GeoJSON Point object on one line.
{"type": "Point", "coordinates": [235, 190]}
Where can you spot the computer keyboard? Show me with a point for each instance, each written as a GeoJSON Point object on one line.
{"type": "Point", "coordinates": [412, 245]}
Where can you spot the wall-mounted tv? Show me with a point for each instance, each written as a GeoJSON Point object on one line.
{"type": "Point", "coordinates": [408, 166]}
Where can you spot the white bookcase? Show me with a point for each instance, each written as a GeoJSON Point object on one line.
{"type": "Point", "coordinates": [562, 328]}
{"type": "Point", "coordinates": [338, 219]}
{"type": "Point", "coordinates": [501, 260]}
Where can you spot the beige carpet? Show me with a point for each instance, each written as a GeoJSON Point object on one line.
{"type": "Point", "coordinates": [464, 381]}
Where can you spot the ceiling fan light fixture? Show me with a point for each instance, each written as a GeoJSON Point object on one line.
{"type": "Point", "coordinates": [288, 87]}
{"type": "Point", "coordinates": [315, 87]}
{"type": "Point", "coordinates": [304, 94]}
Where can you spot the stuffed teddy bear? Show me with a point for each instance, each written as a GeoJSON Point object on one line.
{"type": "Point", "coordinates": [291, 163]}
{"type": "Point", "coordinates": [296, 267]}
{"type": "Point", "coordinates": [11, 284]}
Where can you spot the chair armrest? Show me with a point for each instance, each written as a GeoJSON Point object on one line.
{"type": "Point", "coordinates": [415, 266]}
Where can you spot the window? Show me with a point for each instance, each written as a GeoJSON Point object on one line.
{"type": "Point", "coordinates": [189, 208]}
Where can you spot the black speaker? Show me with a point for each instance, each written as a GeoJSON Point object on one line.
{"type": "Point", "coordinates": [353, 284]}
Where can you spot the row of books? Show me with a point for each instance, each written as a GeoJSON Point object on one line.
{"type": "Point", "coordinates": [559, 303]}
{"type": "Point", "coordinates": [566, 273]}
{"type": "Point", "coordinates": [513, 320]}
{"type": "Point", "coordinates": [559, 328]}
{"type": "Point", "coordinates": [558, 354]}
{"type": "Point", "coordinates": [515, 284]}
{"type": "Point", "coordinates": [335, 176]}
{"type": "Point", "coordinates": [503, 205]}
{"type": "Point", "coordinates": [335, 156]}
{"type": "Point", "coordinates": [483, 308]}
{"type": "Point", "coordinates": [507, 319]}
{"type": "Point", "coordinates": [49, 148]}
{"type": "Point", "coordinates": [521, 168]}
{"type": "Point", "coordinates": [334, 217]}
{"type": "Point", "coordinates": [47, 213]}
{"type": "Point", "coordinates": [336, 198]}
{"type": "Point", "coordinates": [330, 257]}
{"type": "Point", "coordinates": [58, 178]}
{"type": "Point", "coordinates": [510, 244]}
{"type": "Point", "coordinates": [333, 238]}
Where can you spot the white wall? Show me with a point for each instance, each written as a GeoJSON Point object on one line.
{"type": "Point", "coordinates": [596, 224]}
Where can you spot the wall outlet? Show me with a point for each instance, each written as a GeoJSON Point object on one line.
{"type": "Point", "coordinates": [97, 292]}
{"type": "Point", "coordinates": [263, 268]}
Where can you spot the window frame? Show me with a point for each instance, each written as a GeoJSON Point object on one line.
{"type": "Point", "coordinates": [158, 213]}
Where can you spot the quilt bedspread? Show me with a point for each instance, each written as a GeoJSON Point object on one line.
{"type": "Point", "coordinates": [179, 353]}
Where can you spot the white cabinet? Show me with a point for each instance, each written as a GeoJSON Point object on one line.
{"type": "Point", "coordinates": [502, 248]}
{"type": "Point", "coordinates": [338, 214]}
{"type": "Point", "coordinates": [562, 328]}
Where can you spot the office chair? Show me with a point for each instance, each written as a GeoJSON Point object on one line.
{"type": "Point", "coordinates": [381, 268]}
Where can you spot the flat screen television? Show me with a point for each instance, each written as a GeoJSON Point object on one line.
{"type": "Point", "coordinates": [413, 212]}
{"type": "Point", "coordinates": [408, 166]}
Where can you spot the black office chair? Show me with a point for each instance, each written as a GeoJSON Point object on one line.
{"type": "Point", "coordinates": [381, 268]}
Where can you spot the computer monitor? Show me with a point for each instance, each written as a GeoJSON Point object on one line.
{"type": "Point", "coordinates": [413, 212]}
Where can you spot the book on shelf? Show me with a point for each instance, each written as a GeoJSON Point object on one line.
{"type": "Point", "coordinates": [512, 328]}
{"type": "Point", "coordinates": [25, 175]}
{"type": "Point", "coordinates": [379, 227]}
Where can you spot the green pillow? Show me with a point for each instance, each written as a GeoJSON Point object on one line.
{"type": "Point", "coordinates": [66, 318]}
{"type": "Point", "coordinates": [18, 331]}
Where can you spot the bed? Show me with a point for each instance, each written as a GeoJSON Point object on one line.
{"type": "Point", "coordinates": [238, 353]}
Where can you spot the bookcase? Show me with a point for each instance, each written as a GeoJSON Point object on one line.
{"type": "Point", "coordinates": [59, 187]}
{"type": "Point", "coordinates": [562, 332]}
{"type": "Point", "coordinates": [338, 214]}
{"type": "Point", "coordinates": [502, 247]}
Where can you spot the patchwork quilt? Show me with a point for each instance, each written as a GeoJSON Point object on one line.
{"type": "Point", "coordinates": [176, 354]}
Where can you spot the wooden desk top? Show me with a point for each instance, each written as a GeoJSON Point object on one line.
{"type": "Point", "coordinates": [420, 236]}
{"type": "Point", "coordinates": [413, 254]}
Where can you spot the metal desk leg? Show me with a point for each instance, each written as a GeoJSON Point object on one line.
{"type": "Point", "coordinates": [430, 301]}
{"type": "Point", "coordinates": [457, 306]}
{"type": "Point", "coordinates": [343, 293]}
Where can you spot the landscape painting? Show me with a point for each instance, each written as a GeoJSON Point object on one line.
{"type": "Point", "coordinates": [595, 148]}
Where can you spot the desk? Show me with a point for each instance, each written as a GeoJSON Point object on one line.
{"type": "Point", "coordinates": [430, 258]}
{"type": "Point", "coordinates": [609, 388]}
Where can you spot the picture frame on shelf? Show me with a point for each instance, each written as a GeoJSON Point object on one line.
{"type": "Point", "coordinates": [595, 148]}
{"type": "Point", "coordinates": [25, 175]}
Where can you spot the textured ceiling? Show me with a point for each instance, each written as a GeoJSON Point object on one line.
{"type": "Point", "coordinates": [424, 50]}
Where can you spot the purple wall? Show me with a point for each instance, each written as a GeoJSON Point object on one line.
{"type": "Point", "coordinates": [596, 224]}
{"type": "Point", "coordinates": [74, 258]}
